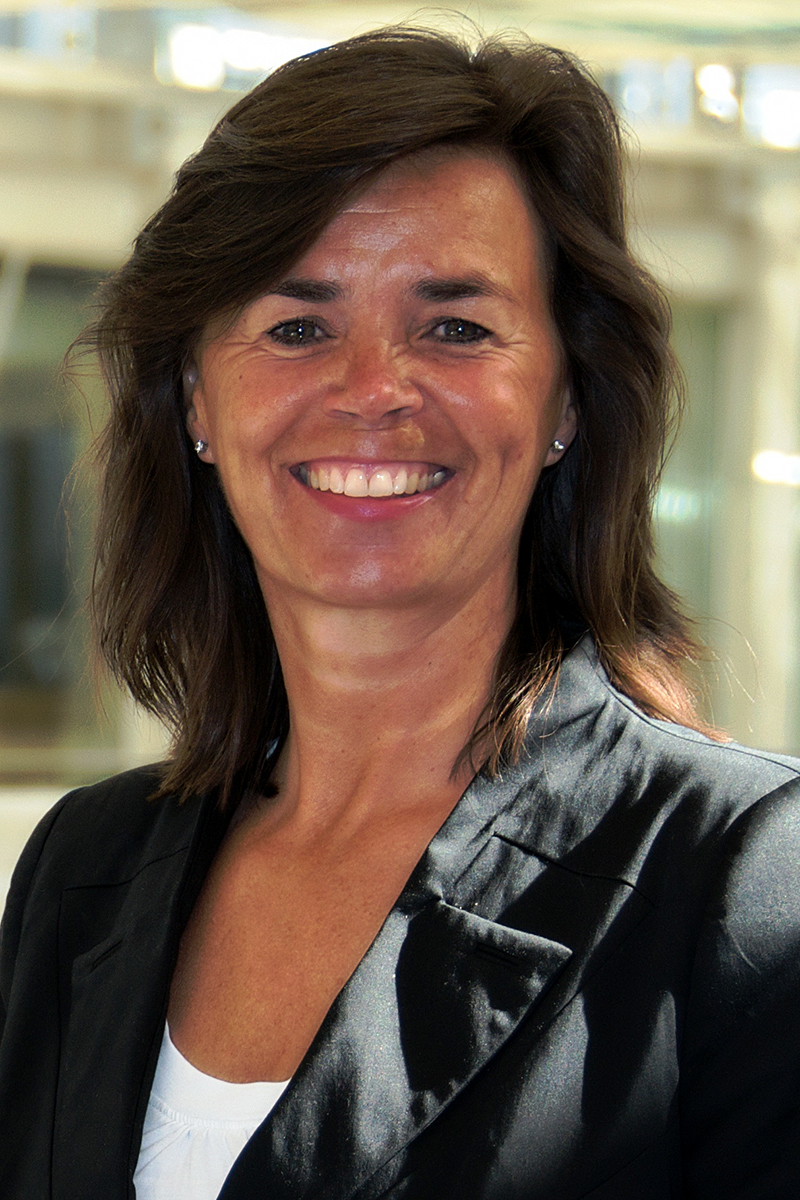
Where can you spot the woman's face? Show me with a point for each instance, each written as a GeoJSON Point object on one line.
{"type": "Point", "coordinates": [380, 417]}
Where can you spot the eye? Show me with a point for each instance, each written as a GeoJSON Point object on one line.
{"type": "Point", "coordinates": [300, 332]}
{"type": "Point", "coordinates": [454, 329]}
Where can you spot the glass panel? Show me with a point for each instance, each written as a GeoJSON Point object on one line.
{"type": "Point", "coordinates": [48, 723]}
{"type": "Point", "coordinates": [685, 508]}
{"type": "Point", "coordinates": [684, 505]}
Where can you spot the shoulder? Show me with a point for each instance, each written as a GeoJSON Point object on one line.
{"type": "Point", "coordinates": [659, 740]}
{"type": "Point", "coordinates": [108, 827]}
{"type": "Point", "coordinates": [102, 834]}
{"type": "Point", "coordinates": [99, 836]}
{"type": "Point", "coordinates": [606, 785]}
{"type": "Point", "coordinates": [752, 922]}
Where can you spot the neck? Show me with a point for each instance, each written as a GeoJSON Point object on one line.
{"type": "Point", "coordinates": [382, 702]}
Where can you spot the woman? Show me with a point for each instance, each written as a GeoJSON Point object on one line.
{"type": "Point", "coordinates": [441, 879]}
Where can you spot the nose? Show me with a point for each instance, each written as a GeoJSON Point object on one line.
{"type": "Point", "coordinates": [372, 386]}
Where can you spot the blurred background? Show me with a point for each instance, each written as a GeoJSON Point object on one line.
{"type": "Point", "coordinates": [99, 106]}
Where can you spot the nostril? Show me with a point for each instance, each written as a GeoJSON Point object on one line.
{"type": "Point", "coordinates": [402, 411]}
{"type": "Point", "coordinates": [375, 416]}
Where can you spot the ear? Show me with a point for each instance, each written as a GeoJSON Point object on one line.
{"type": "Point", "coordinates": [195, 412]}
{"type": "Point", "coordinates": [565, 433]}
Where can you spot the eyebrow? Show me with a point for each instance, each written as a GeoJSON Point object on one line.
{"type": "Point", "coordinates": [440, 291]}
{"type": "Point", "coordinates": [311, 291]}
{"type": "Point", "coordinates": [436, 290]}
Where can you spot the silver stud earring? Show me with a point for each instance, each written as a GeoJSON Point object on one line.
{"type": "Point", "coordinates": [200, 446]}
{"type": "Point", "coordinates": [557, 446]}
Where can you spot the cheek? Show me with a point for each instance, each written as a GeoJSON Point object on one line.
{"type": "Point", "coordinates": [521, 419]}
{"type": "Point", "coordinates": [262, 403]}
{"type": "Point", "coordinates": [237, 418]}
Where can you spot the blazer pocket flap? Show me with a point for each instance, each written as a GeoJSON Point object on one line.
{"type": "Point", "coordinates": [536, 958]}
{"type": "Point", "coordinates": [88, 962]}
{"type": "Point", "coordinates": [463, 985]}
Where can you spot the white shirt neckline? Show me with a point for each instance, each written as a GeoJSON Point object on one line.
{"type": "Point", "coordinates": [192, 1095]}
{"type": "Point", "coordinates": [195, 1127]}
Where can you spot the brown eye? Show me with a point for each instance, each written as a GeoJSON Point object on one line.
{"type": "Point", "coordinates": [300, 332]}
{"type": "Point", "coordinates": [454, 329]}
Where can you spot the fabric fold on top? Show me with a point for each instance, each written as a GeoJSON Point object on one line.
{"type": "Point", "coordinates": [196, 1126]}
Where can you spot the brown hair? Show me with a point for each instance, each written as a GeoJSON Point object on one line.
{"type": "Point", "coordinates": [178, 610]}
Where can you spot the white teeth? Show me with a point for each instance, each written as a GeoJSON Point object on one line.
{"type": "Point", "coordinates": [380, 483]}
{"type": "Point", "coordinates": [355, 483]}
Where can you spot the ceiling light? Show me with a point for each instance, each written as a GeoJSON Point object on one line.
{"type": "Point", "coordinates": [196, 56]}
{"type": "Point", "coordinates": [780, 119]}
{"type": "Point", "coordinates": [773, 466]}
{"type": "Point", "coordinates": [772, 104]}
{"type": "Point", "coordinates": [717, 99]}
{"type": "Point", "coordinates": [254, 50]}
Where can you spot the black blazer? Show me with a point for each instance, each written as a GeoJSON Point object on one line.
{"type": "Point", "coordinates": [589, 987]}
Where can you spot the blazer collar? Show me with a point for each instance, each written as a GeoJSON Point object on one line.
{"type": "Point", "coordinates": [440, 990]}
{"type": "Point", "coordinates": [450, 977]}
{"type": "Point", "coordinates": [443, 986]}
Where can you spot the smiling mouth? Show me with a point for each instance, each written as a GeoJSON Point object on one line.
{"type": "Point", "coordinates": [397, 479]}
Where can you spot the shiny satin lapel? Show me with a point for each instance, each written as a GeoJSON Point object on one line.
{"type": "Point", "coordinates": [438, 993]}
{"type": "Point", "coordinates": [490, 930]}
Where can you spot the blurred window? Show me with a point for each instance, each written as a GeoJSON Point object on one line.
{"type": "Point", "coordinates": [685, 505]}
{"type": "Point", "coordinates": [46, 703]}
{"type": "Point", "coordinates": [649, 92]}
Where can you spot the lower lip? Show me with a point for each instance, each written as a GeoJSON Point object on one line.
{"type": "Point", "coordinates": [368, 508]}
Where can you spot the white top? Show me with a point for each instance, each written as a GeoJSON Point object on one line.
{"type": "Point", "coordinates": [195, 1128]}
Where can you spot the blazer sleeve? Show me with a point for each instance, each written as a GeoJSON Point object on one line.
{"type": "Point", "coordinates": [13, 916]}
{"type": "Point", "coordinates": [740, 1074]}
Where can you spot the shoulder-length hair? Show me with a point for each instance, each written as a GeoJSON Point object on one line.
{"type": "Point", "coordinates": [178, 610]}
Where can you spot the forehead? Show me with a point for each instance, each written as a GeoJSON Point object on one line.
{"type": "Point", "coordinates": [442, 203]}
{"type": "Point", "coordinates": [472, 169]}
{"type": "Point", "coordinates": [445, 213]}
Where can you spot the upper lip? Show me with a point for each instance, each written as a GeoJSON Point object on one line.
{"type": "Point", "coordinates": [370, 464]}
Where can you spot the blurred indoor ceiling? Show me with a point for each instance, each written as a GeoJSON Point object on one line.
{"type": "Point", "coordinates": [724, 23]}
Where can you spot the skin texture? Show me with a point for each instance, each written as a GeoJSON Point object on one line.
{"type": "Point", "coordinates": [371, 376]}
{"type": "Point", "coordinates": [416, 330]}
